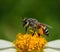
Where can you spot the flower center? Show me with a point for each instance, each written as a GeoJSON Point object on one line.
{"type": "Point", "coordinates": [27, 42]}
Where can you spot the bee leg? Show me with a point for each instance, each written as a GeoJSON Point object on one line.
{"type": "Point", "coordinates": [26, 30]}
{"type": "Point", "coordinates": [33, 32]}
{"type": "Point", "coordinates": [38, 34]}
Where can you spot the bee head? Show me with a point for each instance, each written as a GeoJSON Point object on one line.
{"type": "Point", "coordinates": [25, 22]}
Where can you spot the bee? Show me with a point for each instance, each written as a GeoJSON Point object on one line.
{"type": "Point", "coordinates": [35, 24]}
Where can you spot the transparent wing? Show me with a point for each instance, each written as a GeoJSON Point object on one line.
{"type": "Point", "coordinates": [47, 25]}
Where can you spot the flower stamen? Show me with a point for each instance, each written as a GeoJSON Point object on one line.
{"type": "Point", "coordinates": [27, 42]}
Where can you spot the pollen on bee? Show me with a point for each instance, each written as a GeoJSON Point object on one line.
{"type": "Point", "coordinates": [40, 31]}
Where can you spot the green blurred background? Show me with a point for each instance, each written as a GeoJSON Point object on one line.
{"type": "Point", "coordinates": [12, 13]}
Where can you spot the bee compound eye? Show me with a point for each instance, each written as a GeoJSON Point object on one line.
{"type": "Point", "coordinates": [25, 22]}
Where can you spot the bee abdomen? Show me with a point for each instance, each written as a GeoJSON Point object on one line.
{"type": "Point", "coordinates": [46, 32]}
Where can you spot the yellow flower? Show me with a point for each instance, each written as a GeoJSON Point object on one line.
{"type": "Point", "coordinates": [27, 42]}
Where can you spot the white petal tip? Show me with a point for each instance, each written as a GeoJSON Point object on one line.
{"type": "Point", "coordinates": [4, 44]}
{"type": "Point", "coordinates": [54, 44]}
{"type": "Point", "coordinates": [8, 50]}
{"type": "Point", "coordinates": [51, 50]}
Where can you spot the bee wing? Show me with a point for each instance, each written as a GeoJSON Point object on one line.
{"type": "Point", "coordinates": [48, 25]}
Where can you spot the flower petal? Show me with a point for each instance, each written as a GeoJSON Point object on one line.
{"type": "Point", "coordinates": [54, 44]}
{"type": "Point", "coordinates": [50, 50]}
{"type": "Point", "coordinates": [5, 44]}
{"type": "Point", "coordinates": [8, 50]}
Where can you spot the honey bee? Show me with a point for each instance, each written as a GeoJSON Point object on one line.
{"type": "Point", "coordinates": [35, 24]}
